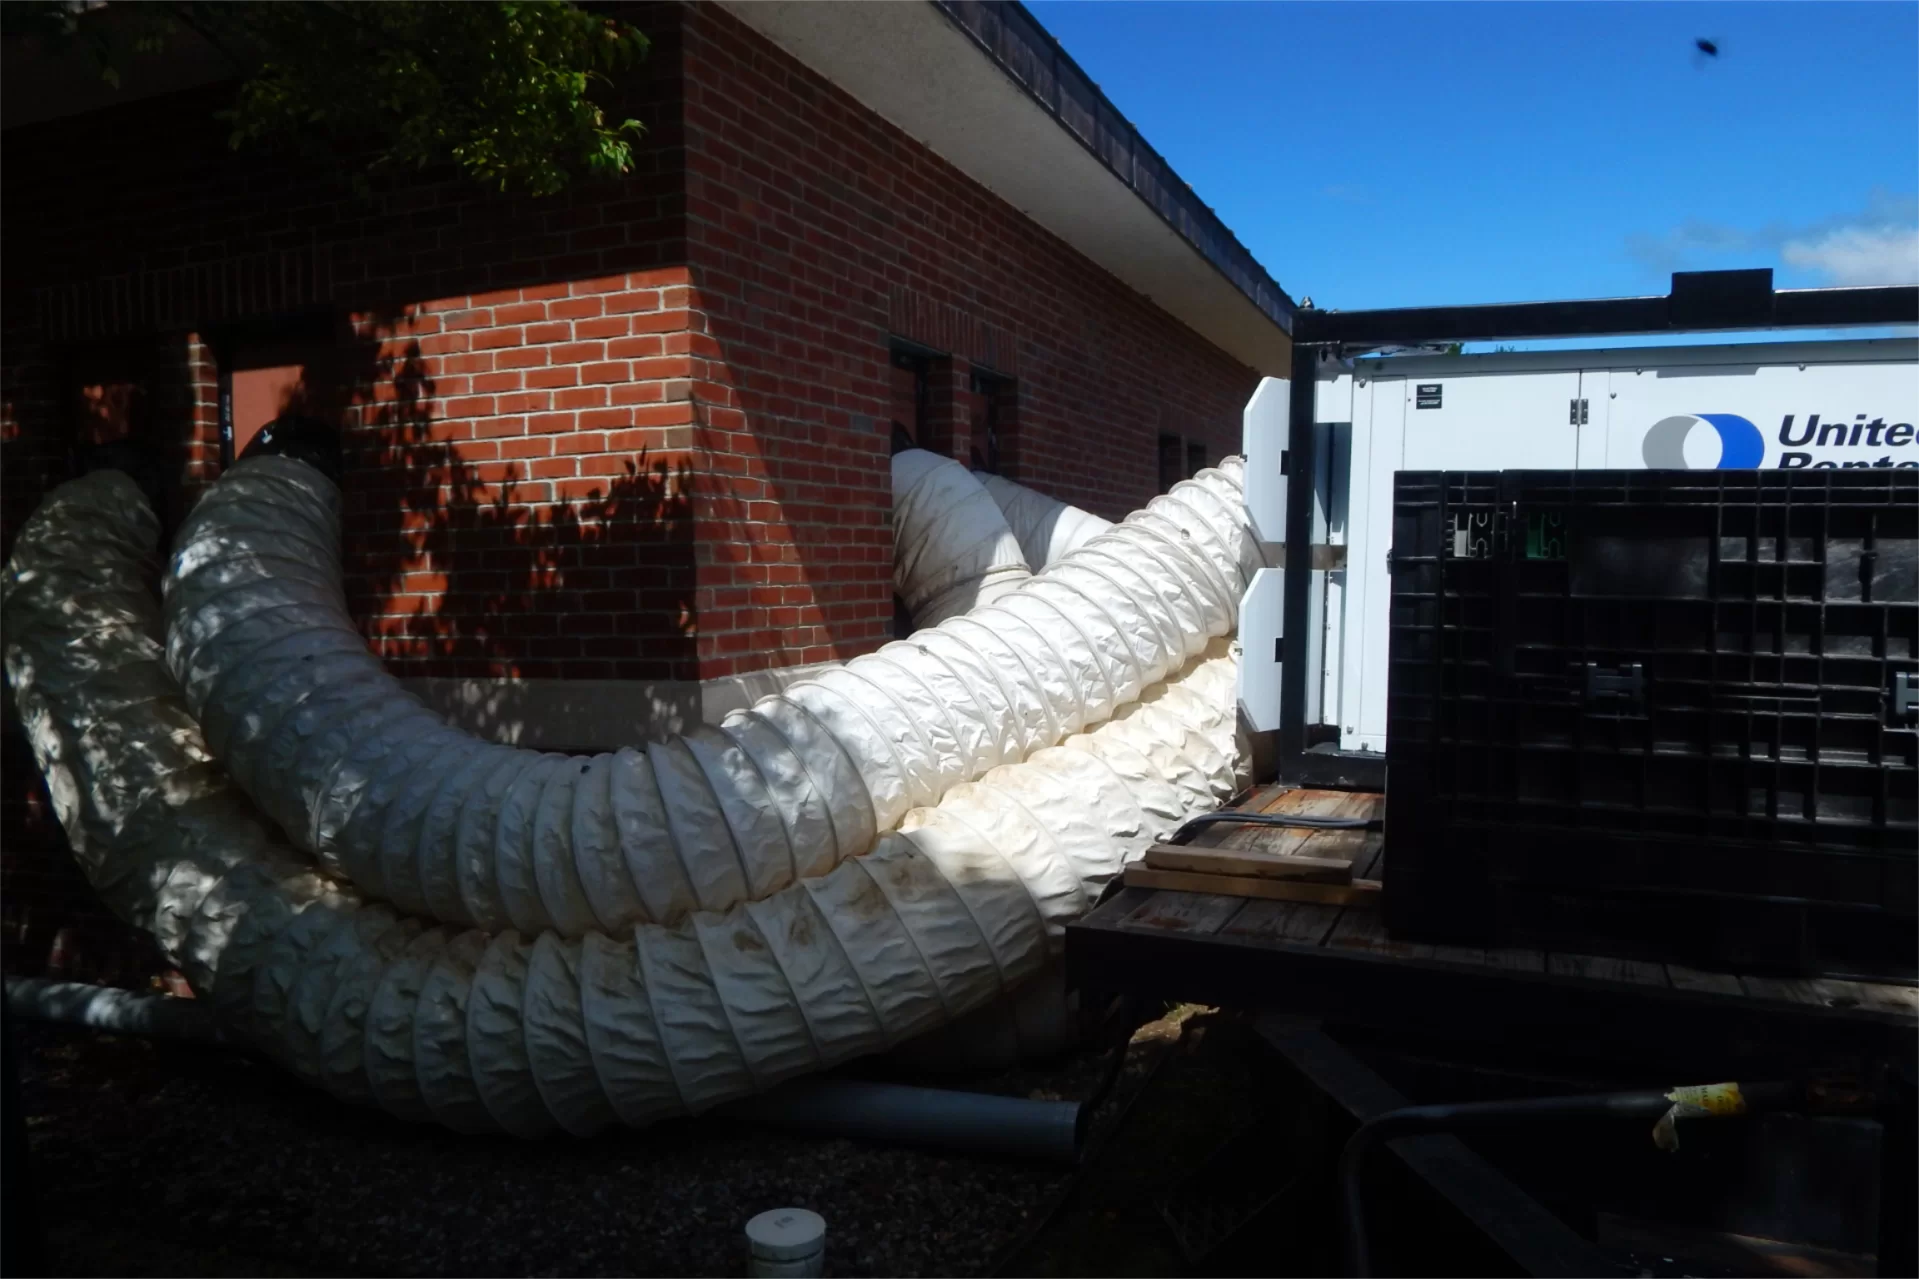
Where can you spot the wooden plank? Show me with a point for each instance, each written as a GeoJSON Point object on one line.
{"type": "Point", "coordinates": [1347, 844]}
{"type": "Point", "coordinates": [1196, 913]}
{"type": "Point", "coordinates": [1606, 968]}
{"type": "Point", "coordinates": [1727, 1252]}
{"type": "Point", "coordinates": [1363, 930]}
{"type": "Point", "coordinates": [1516, 959]}
{"type": "Point", "coordinates": [1247, 886]}
{"type": "Point", "coordinates": [1683, 978]}
{"type": "Point", "coordinates": [1273, 795]}
{"type": "Point", "coordinates": [1511, 958]}
{"type": "Point", "coordinates": [1889, 998]}
{"type": "Point", "coordinates": [1361, 977]}
{"type": "Point", "coordinates": [1305, 923]}
{"type": "Point", "coordinates": [1284, 841]}
{"type": "Point", "coordinates": [1371, 861]}
{"type": "Point", "coordinates": [1122, 903]}
{"type": "Point", "coordinates": [1245, 861]}
{"type": "Point", "coordinates": [1274, 798]}
{"type": "Point", "coordinates": [1825, 992]}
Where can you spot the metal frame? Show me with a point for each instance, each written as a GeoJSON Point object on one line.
{"type": "Point", "coordinates": [1700, 301]}
{"type": "Point", "coordinates": [1538, 1242]}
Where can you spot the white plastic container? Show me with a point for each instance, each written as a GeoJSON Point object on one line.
{"type": "Point", "coordinates": [789, 1243]}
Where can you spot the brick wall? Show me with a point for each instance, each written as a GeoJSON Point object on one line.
{"type": "Point", "coordinates": [517, 406]}
{"type": "Point", "coordinates": [816, 231]}
{"type": "Point", "coordinates": [638, 431]}
{"type": "Point", "coordinates": [518, 443]}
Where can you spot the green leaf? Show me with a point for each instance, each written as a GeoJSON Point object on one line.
{"type": "Point", "coordinates": [499, 88]}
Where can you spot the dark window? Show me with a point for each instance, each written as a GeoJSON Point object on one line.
{"type": "Point", "coordinates": [115, 394]}
{"type": "Point", "coordinates": [911, 388]}
{"type": "Point", "coordinates": [275, 366]}
{"type": "Point", "coordinates": [1195, 458]}
{"type": "Point", "coordinates": [1171, 462]}
{"type": "Point", "coordinates": [992, 416]}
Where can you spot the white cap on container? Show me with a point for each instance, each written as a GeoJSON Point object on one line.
{"type": "Point", "coordinates": [786, 1234]}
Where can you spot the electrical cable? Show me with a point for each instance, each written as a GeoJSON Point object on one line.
{"type": "Point", "coordinates": [1301, 822]}
{"type": "Point", "coordinates": [1417, 1120]}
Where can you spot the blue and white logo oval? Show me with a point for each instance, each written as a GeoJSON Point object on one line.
{"type": "Point", "coordinates": [1703, 442]}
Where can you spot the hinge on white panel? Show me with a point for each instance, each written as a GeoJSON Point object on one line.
{"type": "Point", "coordinates": [1578, 416]}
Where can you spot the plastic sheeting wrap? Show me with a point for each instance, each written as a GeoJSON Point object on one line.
{"type": "Point", "coordinates": [530, 1033]}
{"type": "Point", "coordinates": [363, 775]}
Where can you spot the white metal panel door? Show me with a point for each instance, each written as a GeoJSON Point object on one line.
{"type": "Point", "coordinates": [1595, 413]}
{"type": "Point", "coordinates": [1521, 421]}
{"type": "Point", "coordinates": [1378, 439]}
{"type": "Point", "coordinates": [1512, 422]}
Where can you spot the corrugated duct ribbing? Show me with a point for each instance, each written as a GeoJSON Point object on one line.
{"type": "Point", "coordinates": [529, 1031]}
{"type": "Point", "coordinates": [385, 794]}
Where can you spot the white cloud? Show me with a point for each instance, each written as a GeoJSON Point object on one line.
{"type": "Point", "coordinates": [1877, 245]}
{"type": "Point", "coordinates": [1859, 255]}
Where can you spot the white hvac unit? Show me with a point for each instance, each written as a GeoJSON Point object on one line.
{"type": "Point", "coordinates": [1778, 404]}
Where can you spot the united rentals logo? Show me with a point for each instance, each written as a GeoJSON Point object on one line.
{"type": "Point", "coordinates": [1854, 435]}
{"type": "Point", "coordinates": [1726, 442]}
{"type": "Point", "coordinates": [1687, 441]}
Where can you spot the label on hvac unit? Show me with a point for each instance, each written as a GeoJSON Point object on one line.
{"type": "Point", "coordinates": [1426, 395]}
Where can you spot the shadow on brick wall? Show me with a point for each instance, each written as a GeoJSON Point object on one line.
{"type": "Point", "coordinates": [458, 568]}
{"type": "Point", "coordinates": [494, 557]}
{"type": "Point", "coordinates": [480, 569]}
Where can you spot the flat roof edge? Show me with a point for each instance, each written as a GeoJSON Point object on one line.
{"type": "Point", "coordinates": [1016, 42]}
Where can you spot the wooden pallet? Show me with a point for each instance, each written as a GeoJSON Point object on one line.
{"type": "Point", "coordinates": [1270, 862]}
{"type": "Point", "coordinates": [1220, 945]}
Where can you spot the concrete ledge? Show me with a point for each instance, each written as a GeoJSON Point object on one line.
{"type": "Point", "coordinates": [595, 714]}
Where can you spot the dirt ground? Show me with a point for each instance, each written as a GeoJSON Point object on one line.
{"type": "Point", "coordinates": [153, 1158]}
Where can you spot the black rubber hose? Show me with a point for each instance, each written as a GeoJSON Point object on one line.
{"type": "Point", "coordinates": [1301, 822]}
{"type": "Point", "coordinates": [1414, 1120]}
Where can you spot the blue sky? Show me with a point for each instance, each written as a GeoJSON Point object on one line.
{"type": "Point", "coordinates": [1388, 154]}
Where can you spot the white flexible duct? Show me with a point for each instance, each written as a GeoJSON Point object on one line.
{"type": "Point", "coordinates": [1041, 1019]}
{"type": "Point", "coordinates": [952, 550]}
{"type": "Point", "coordinates": [528, 1033]}
{"type": "Point", "coordinates": [1048, 530]}
{"type": "Point", "coordinates": [386, 794]}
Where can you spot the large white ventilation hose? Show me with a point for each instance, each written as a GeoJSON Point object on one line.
{"type": "Point", "coordinates": [1048, 530]}
{"type": "Point", "coordinates": [952, 549]}
{"type": "Point", "coordinates": [527, 1033]}
{"type": "Point", "coordinates": [359, 772]}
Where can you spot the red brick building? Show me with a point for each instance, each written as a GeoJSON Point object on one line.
{"type": "Point", "coordinates": [610, 453]}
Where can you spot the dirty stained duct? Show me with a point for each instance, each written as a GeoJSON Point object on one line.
{"type": "Point", "coordinates": [502, 940]}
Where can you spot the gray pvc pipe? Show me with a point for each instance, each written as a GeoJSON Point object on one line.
{"type": "Point", "coordinates": [976, 1122]}
{"type": "Point", "coordinates": [106, 1008]}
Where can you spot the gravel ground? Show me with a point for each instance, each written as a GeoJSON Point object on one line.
{"type": "Point", "coordinates": [154, 1158]}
